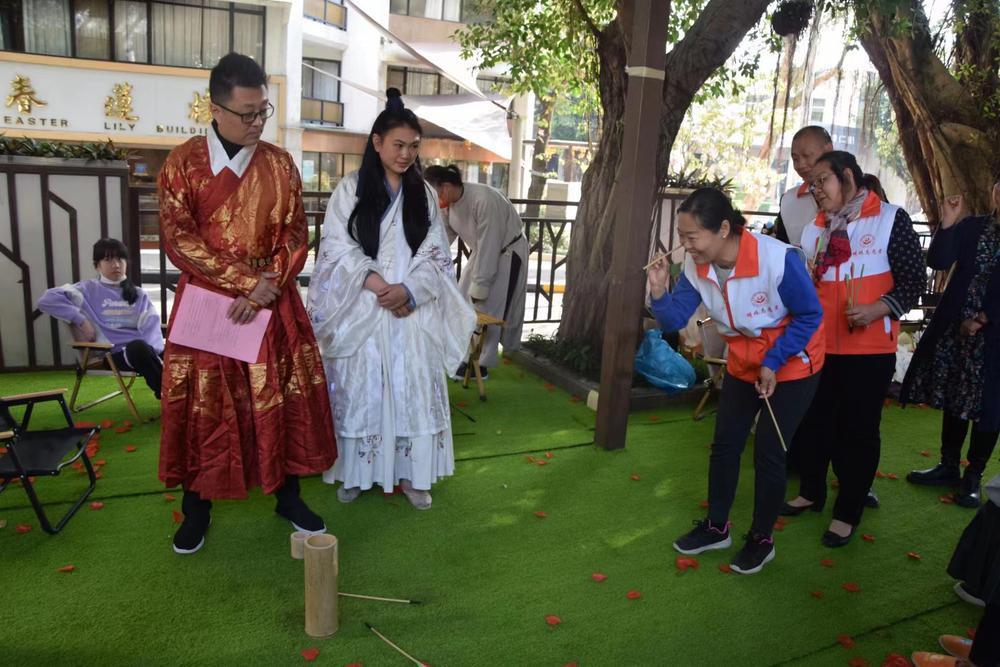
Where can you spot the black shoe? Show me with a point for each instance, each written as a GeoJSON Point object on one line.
{"type": "Point", "coordinates": [755, 554]}
{"type": "Point", "coordinates": [704, 537]}
{"type": "Point", "coordinates": [197, 516]}
{"type": "Point", "coordinates": [792, 510]}
{"type": "Point", "coordinates": [939, 475]}
{"type": "Point", "coordinates": [871, 500]}
{"type": "Point", "coordinates": [291, 506]}
{"type": "Point", "coordinates": [970, 491]}
{"type": "Point", "coordinates": [460, 373]}
{"type": "Point", "coordinates": [834, 541]}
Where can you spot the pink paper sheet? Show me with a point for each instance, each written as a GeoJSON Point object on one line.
{"type": "Point", "coordinates": [201, 323]}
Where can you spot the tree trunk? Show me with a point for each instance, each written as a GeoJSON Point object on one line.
{"type": "Point", "coordinates": [706, 46]}
{"type": "Point", "coordinates": [539, 153]}
{"type": "Point", "coordinates": [945, 136]}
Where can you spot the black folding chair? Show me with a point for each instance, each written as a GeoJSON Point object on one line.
{"type": "Point", "coordinates": [42, 453]}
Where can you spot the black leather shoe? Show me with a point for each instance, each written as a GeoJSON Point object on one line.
{"type": "Point", "coordinates": [939, 475]}
{"type": "Point", "coordinates": [792, 510]}
{"type": "Point", "coordinates": [970, 491]}
{"type": "Point", "coordinates": [197, 516]}
{"type": "Point", "coordinates": [833, 540]}
{"type": "Point", "coordinates": [871, 500]}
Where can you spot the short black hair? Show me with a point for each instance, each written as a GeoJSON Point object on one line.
{"type": "Point", "coordinates": [436, 175]}
{"type": "Point", "coordinates": [710, 206]}
{"type": "Point", "coordinates": [818, 132]}
{"type": "Point", "coordinates": [234, 69]}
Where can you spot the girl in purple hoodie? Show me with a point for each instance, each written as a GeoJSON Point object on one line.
{"type": "Point", "coordinates": [111, 309]}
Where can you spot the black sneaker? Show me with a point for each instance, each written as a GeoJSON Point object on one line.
{"type": "Point", "coordinates": [757, 552]}
{"type": "Point", "coordinates": [197, 516]}
{"type": "Point", "coordinates": [871, 500]}
{"type": "Point", "coordinates": [292, 507]}
{"type": "Point", "coordinates": [704, 537]}
{"type": "Point", "coordinates": [940, 475]}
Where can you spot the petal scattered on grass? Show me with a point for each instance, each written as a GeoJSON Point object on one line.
{"type": "Point", "coordinates": [868, 538]}
{"type": "Point", "coordinates": [816, 594]}
{"type": "Point", "coordinates": [633, 595]}
{"type": "Point", "coordinates": [310, 654]}
{"type": "Point", "coordinates": [22, 528]}
{"type": "Point", "coordinates": [553, 620]}
{"type": "Point", "coordinates": [845, 641]}
{"type": "Point", "coordinates": [540, 514]}
{"type": "Point", "coordinates": [599, 577]}
{"type": "Point", "coordinates": [913, 555]}
{"type": "Point", "coordinates": [67, 568]}
{"type": "Point", "coordinates": [851, 587]}
{"type": "Point", "coordinates": [178, 517]}
{"type": "Point", "coordinates": [96, 505]}
{"type": "Point", "coordinates": [827, 562]}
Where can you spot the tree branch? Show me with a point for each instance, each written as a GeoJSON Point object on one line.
{"type": "Point", "coordinates": [586, 18]}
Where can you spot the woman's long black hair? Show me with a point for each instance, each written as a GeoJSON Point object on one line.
{"type": "Point", "coordinates": [115, 249]}
{"type": "Point", "coordinates": [373, 197]}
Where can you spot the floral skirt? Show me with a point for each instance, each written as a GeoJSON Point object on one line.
{"type": "Point", "coordinates": [951, 378]}
{"type": "Point", "coordinates": [363, 462]}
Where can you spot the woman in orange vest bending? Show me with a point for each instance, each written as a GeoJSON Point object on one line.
{"type": "Point", "coordinates": [759, 293]}
{"type": "Point", "coordinates": [869, 271]}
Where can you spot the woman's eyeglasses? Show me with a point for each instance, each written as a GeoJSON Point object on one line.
{"type": "Point", "coordinates": [250, 117]}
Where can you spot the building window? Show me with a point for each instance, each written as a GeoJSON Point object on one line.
{"type": "Point", "coordinates": [322, 171]}
{"type": "Point", "coordinates": [321, 93]}
{"type": "Point", "coordinates": [413, 81]}
{"type": "Point", "coordinates": [817, 110]}
{"type": "Point", "coordinates": [464, 11]}
{"type": "Point", "coordinates": [185, 33]}
{"type": "Point", "coordinates": [492, 84]}
{"type": "Point", "coordinates": [331, 12]}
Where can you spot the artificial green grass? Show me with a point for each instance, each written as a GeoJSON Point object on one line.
{"type": "Point", "coordinates": [487, 568]}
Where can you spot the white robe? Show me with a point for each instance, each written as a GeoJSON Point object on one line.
{"type": "Point", "coordinates": [490, 227]}
{"type": "Point", "coordinates": [387, 375]}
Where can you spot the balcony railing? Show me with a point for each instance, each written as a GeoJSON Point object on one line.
{"type": "Point", "coordinates": [326, 11]}
{"type": "Point", "coordinates": [326, 112]}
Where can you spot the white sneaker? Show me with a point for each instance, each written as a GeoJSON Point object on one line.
{"type": "Point", "coordinates": [346, 495]}
{"type": "Point", "coordinates": [967, 596]}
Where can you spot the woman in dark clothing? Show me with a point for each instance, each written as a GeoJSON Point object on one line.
{"type": "Point", "coordinates": [957, 364]}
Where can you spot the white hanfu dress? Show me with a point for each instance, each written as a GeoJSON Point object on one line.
{"type": "Point", "coordinates": [387, 375]}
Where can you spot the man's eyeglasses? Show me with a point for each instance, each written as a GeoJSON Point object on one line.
{"type": "Point", "coordinates": [250, 117]}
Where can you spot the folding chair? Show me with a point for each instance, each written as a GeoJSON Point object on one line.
{"type": "Point", "coordinates": [30, 454]}
{"type": "Point", "coordinates": [713, 353]}
{"type": "Point", "coordinates": [476, 349]}
{"type": "Point", "coordinates": [95, 359]}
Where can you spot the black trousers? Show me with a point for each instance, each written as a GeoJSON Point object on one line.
{"type": "Point", "coordinates": [986, 645]}
{"type": "Point", "coordinates": [842, 428]}
{"type": "Point", "coordinates": [140, 357]}
{"type": "Point", "coordinates": [953, 431]}
{"type": "Point", "coordinates": [738, 406]}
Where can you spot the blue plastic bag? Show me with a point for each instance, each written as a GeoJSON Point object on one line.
{"type": "Point", "coordinates": [661, 365]}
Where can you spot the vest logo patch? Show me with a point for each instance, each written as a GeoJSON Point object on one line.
{"type": "Point", "coordinates": [759, 299]}
{"type": "Point", "coordinates": [867, 240]}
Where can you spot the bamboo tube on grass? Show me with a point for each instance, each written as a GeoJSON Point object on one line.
{"type": "Point", "coordinates": [322, 571]}
{"type": "Point", "coordinates": [298, 540]}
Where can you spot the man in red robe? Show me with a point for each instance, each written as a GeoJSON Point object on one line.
{"type": "Point", "coordinates": [231, 220]}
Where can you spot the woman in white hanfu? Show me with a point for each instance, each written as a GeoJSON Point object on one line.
{"type": "Point", "coordinates": [389, 318]}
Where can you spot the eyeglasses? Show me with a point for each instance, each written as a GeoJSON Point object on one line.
{"type": "Point", "coordinates": [818, 182]}
{"type": "Point", "coordinates": [249, 118]}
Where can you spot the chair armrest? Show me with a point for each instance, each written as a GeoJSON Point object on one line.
{"type": "Point", "coordinates": [80, 345]}
{"type": "Point", "coordinates": [6, 435]}
{"type": "Point", "coordinates": [21, 399]}
{"type": "Point", "coordinates": [712, 360]}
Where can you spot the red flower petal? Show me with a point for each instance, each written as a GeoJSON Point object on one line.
{"type": "Point", "coordinates": [575, 399]}
{"type": "Point", "coordinates": [541, 462]}
{"type": "Point", "coordinates": [845, 641]}
{"type": "Point", "coordinates": [947, 500]}
{"type": "Point", "coordinates": [892, 475]}
{"type": "Point", "coordinates": [857, 662]}
{"type": "Point", "coordinates": [913, 555]}
{"type": "Point", "coordinates": [102, 462]}
{"type": "Point", "coordinates": [816, 594]}
{"type": "Point", "coordinates": [965, 463]}
{"type": "Point", "coordinates": [98, 475]}
{"type": "Point", "coordinates": [835, 484]}
{"type": "Point", "coordinates": [549, 386]}
{"type": "Point", "coordinates": [507, 362]}
{"type": "Point", "coordinates": [778, 526]}
{"type": "Point", "coordinates": [896, 660]}
{"type": "Point", "coordinates": [703, 504]}
{"type": "Point", "coordinates": [130, 448]}
{"type": "Point", "coordinates": [121, 429]}
{"type": "Point", "coordinates": [67, 568]}
{"type": "Point", "coordinates": [880, 474]}
{"type": "Point", "coordinates": [570, 664]}
{"type": "Point", "coordinates": [107, 423]}
{"type": "Point", "coordinates": [598, 577]}
{"type": "Point", "coordinates": [530, 459]}
{"type": "Point", "coordinates": [552, 619]}
{"type": "Point", "coordinates": [84, 424]}
{"type": "Point", "coordinates": [654, 418]}
{"type": "Point", "coordinates": [540, 514]}
{"type": "Point", "coordinates": [683, 563]}
{"type": "Point", "coordinates": [725, 568]}
{"type": "Point", "coordinates": [462, 404]}
{"type": "Point", "coordinates": [925, 453]}
{"type": "Point", "coordinates": [827, 562]}
{"type": "Point", "coordinates": [310, 654]}
{"type": "Point", "coordinates": [178, 517]}
{"type": "Point", "coordinates": [633, 595]}
{"type": "Point", "coordinates": [634, 477]}
{"type": "Point", "coordinates": [127, 424]}
{"type": "Point", "coordinates": [851, 587]}
{"type": "Point", "coordinates": [169, 497]}
{"type": "Point", "coordinates": [868, 538]}
{"type": "Point", "coordinates": [354, 664]}
{"type": "Point", "coordinates": [22, 528]}
{"type": "Point", "coordinates": [548, 455]}
{"type": "Point", "coordinates": [96, 505]}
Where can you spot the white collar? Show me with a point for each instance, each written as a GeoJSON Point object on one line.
{"type": "Point", "coordinates": [220, 160]}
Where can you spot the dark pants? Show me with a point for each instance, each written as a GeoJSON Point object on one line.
{"type": "Point", "coordinates": [842, 427]}
{"type": "Point", "coordinates": [738, 406]}
{"type": "Point", "coordinates": [953, 431]}
{"type": "Point", "coordinates": [140, 357]}
{"type": "Point", "coordinates": [986, 646]}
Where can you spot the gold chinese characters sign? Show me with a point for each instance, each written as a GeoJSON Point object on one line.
{"type": "Point", "coordinates": [200, 109]}
{"type": "Point", "coordinates": [22, 94]}
{"type": "Point", "coordinates": [119, 103]}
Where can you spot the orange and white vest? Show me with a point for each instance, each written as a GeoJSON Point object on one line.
{"type": "Point", "coordinates": [869, 237]}
{"type": "Point", "coordinates": [748, 311]}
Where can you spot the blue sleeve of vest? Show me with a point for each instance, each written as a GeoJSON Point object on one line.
{"type": "Point", "coordinates": [799, 296]}
{"type": "Point", "coordinates": [673, 310]}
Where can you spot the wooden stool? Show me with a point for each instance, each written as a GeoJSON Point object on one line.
{"type": "Point", "coordinates": [476, 349]}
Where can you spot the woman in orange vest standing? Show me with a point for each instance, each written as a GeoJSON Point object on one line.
{"type": "Point", "coordinates": [759, 293]}
{"type": "Point", "coordinates": [869, 271]}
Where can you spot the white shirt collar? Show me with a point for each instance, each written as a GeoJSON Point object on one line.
{"type": "Point", "coordinates": [220, 160]}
